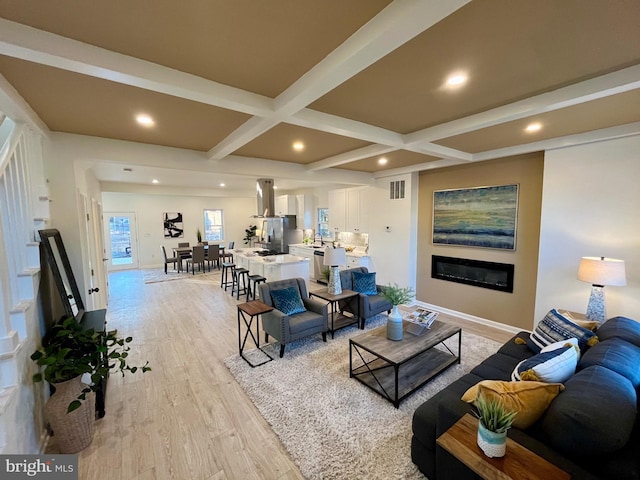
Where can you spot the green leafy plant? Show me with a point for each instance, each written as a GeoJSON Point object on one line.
{"type": "Point", "coordinates": [397, 295]}
{"type": "Point", "coordinates": [249, 234]}
{"type": "Point", "coordinates": [494, 415]}
{"type": "Point", "coordinates": [199, 235]}
{"type": "Point", "coordinates": [69, 350]}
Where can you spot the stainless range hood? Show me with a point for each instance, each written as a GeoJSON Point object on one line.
{"type": "Point", "coordinates": [266, 198]}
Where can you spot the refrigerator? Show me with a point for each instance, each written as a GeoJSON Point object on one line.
{"type": "Point", "coordinates": [280, 232]}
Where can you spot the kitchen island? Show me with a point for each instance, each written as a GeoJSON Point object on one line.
{"type": "Point", "coordinates": [272, 267]}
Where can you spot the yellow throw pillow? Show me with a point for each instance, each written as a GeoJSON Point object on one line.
{"type": "Point", "coordinates": [529, 399]}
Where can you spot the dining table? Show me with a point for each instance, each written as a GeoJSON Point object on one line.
{"type": "Point", "coordinates": [185, 252]}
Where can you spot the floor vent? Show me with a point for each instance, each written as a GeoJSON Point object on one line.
{"type": "Point", "coordinates": [396, 189]}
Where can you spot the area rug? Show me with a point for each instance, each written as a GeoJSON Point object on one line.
{"type": "Point", "coordinates": [155, 275]}
{"type": "Point", "coordinates": [332, 426]}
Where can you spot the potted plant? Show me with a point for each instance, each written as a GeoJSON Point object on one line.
{"type": "Point", "coordinates": [396, 296]}
{"type": "Point", "coordinates": [249, 234]}
{"type": "Point", "coordinates": [199, 235]}
{"type": "Point", "coordinates": [494, 421]}
{"type": "Point", "coordinates": [68, 352]}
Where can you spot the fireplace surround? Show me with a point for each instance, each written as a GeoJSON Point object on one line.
{"type": "Point", "coordinates": [478, 273]}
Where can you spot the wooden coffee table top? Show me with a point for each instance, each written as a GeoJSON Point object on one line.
{"type": "Point", "coordinates": [376, 341]}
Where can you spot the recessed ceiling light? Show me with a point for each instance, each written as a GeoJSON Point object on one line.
{"type": "Point", "coordinates": [382, 161]}
{"type": "Point", "coordinates": [533, 127]}
{"type": "Point", "coordinates": [275, 187]}
{"type": "Point", "coordinates": [155, 180]}
{"type": "Point", "coordinates": [298, 146]}
{"type": "Point", "coordinates": [222, 184]}
{"type": "Point", "coordinates": [456, 80]}
{"type": "Point", "coordinates": [145, 120]}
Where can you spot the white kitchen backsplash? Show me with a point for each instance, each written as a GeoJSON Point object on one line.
{"type": "Point", "coordinates": [352, 239]}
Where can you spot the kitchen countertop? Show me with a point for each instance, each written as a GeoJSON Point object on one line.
{"type": "Point", "coordinates": [277, 259]}
{"type": "Point", "coordinates": [355, 253]}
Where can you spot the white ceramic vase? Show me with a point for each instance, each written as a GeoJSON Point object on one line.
{"type": "Point", "coordinates": [491, 443]}
{"type": "Point", "coordinates": [394, 324]}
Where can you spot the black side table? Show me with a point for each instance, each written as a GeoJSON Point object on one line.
{"type": "Point", "coordinates": [252, 310]}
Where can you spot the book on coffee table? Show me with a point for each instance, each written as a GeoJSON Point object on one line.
{"type": "Point", "coordinates": [421, 316]}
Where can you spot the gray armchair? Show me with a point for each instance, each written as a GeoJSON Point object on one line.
{"type": "Point", "coordinates": [369, 305]}
{"type": "Point", "coordinates": [287, 328]}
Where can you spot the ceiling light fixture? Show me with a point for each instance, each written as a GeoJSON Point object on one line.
{"type": "Point", "coordinates": [298, 146]}
{"type": "Point", "coordinates": [275, 187]}
{"type": "Point", "coordinates": [222, 184]}
{"type": "Point", "coordinates": [533, 127]}
{"type": "Point", "coordinates": [456, 80]}
{"type": "Point", "coordinates": [145, 120]}
{"type": "Point", "coordinates": [155, 180]}
{"type": "Point", "coordinates": [382, 161]}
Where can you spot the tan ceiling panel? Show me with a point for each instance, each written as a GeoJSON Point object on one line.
{"type": "Point", "coordinates": [259, 46]}
{"type": "Point", "coordinates": [509, 49]}
{"type": "Point", "coordinates": [277, 144]}
{"type": "Point", "coordinates": [603, 113]}
{"type": "Point", "coordinates": [74, 103]}
{"type": "Point", "coordinates": [397, 159]}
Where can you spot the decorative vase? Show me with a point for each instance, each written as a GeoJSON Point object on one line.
{"type": "Point", "coordinates": [394, 324]}
{"type": "Point", "coordinates": [73, 431]}
{"type": "Point", "coordinates": [492, 444]}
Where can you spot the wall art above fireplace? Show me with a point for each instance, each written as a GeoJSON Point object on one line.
{"type": "Point", "coordinates": [492, 275]}
{"type": "Point", "coordinates": [476, 217]}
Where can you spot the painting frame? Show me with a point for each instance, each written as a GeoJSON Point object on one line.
{"type": "Point", "coordinates": [173, 225]}
{"type": "Point", "coordinates": [478, 217]}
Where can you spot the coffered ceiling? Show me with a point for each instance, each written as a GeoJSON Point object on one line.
{"type": "Point", "coordinates": [354, 80]}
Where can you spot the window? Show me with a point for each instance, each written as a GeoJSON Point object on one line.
{"type": "Point", "coordinates": [213, 225]}
{"type": "Point", "coordinates": [323, 223]}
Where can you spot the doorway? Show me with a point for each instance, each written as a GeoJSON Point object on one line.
{"type": "Point", "coordinates": [121, 239]}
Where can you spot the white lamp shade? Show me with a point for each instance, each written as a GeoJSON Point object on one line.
{"type": "Point", "coordinates": [335, 256]}
{"type": "Point", "coordinates": [602, 271]}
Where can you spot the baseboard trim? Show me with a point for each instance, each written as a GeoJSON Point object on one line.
{"type": "Point", "coordinates": [470, 318]}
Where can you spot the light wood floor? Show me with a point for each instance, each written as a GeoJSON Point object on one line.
{"type": "Point", "coordinates": [188, 418]}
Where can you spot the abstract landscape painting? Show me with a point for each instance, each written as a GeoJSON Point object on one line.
{"type": "Point", "coordinates": [476, 217]}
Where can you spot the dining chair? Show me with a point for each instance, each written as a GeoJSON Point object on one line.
{"type": "Point", "coordinates": [212, 255]}
{"type": "Point", "coordinates": [228, 255]}
{"type": "Point", "coordinates": [198, 257]}
{"type": "Point", "coordinates": [175, 260]}
{"type": "Point", "coordinates": [184, 255]}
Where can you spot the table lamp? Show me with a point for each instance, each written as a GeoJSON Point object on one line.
{"type": "Point", "coordinates": [334, 257]}
{"type": "Point", "coordinates": [600, 271]}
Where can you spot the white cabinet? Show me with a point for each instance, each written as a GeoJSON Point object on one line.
{"type": "Point", "coordinates": [304, 211]}
{"type": "Point", "coordinates": [337, 210]}
{"type": "Point", "coordinates": [355, 261]}
{"type": "Point", "coordinates": [286, 205]}
{"type": "Point", "coordinates": [357, 210]}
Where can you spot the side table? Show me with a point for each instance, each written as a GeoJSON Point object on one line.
{"type": "Point", "coordinates": [518, 463]}
{"type": "Point", "coordinates": [338, 321]}
{"type": "Point", "coordinates": [252, 310]}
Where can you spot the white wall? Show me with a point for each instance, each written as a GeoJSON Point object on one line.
{"type": "Point", "coordinates": [591, 207]}
{"type": "Point", "coordinates": [149, 210]}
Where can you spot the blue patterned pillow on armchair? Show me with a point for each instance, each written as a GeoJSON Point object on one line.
{"type": "Point", "coordinates": [364, 283]}
{"type": "Point", "coordinates": [288, 300]}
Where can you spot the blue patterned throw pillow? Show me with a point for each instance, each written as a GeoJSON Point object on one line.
{"type": "Point", "coordinates": [555, 327]}
{"type": "Point", "coordinates": [288, 301]}
{"type": "Point", "coordinates": [364, 283]}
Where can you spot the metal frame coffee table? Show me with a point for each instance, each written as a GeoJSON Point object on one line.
{"type": "Point", "coordinates": [396, 369]}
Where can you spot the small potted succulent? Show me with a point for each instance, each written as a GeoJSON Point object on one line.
{"type": "Point", "coordinates": [199, 235]}
{"type": "Point", "coordinates": [494, 421]}
{"type": "Point", "coordinates": [396, 296]}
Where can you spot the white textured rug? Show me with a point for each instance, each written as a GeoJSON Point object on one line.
{"type": "Point", "coordinates": [333, 426]}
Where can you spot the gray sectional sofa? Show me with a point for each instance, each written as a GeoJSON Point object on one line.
{"type": "Point", "coordinates": [591, 429]}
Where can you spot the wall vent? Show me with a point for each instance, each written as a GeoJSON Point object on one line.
{"type": "Point", "coordinates": [396, 189]}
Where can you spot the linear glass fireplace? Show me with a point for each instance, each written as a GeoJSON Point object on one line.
{"type": "Point", "coordinates": [496, 276]}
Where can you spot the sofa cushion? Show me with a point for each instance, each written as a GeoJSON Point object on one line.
{"type": "Point", "coordinates": [552, 366]}
{"type": "Point", "coordinates": [615, 354]}
{"type": "Point", "coordinates": [496, 367]}
{"type": "Point", "coordinates": [555, 327]}
{"type": "Point", "coordinates": [365, 283]}
{"type": "Point", "coordinates": [288, 300]}
{"type": "Point", "coordinates": [517, 349]}
{"type": "Point", "coordinates": [529, 399]}
{"type": "Point", "coordinates": [620, 327]}
{"type": "Point", "coordinates": [306, 320]}
{"type": "Point", "coordinates": [594, 415]}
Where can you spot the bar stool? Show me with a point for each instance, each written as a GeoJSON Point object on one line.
{"type": "Point", "coordinates": [251, 291]}
{"type": "Point", "coordinates": [227, 280]}
{"type": "Point", "coordinates": [239, 274]}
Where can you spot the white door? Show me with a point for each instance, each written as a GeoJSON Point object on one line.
{"type": "Point", "coordinates": [100, 271]}
{"type": "Point", "coordinates": [121, 240]}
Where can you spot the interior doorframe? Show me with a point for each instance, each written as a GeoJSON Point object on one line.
{"type": "Point", "coordinates": [133, 226]}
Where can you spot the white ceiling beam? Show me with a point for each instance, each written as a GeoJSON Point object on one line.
{"type": "Point", "coordinates": [439, 151]}
{"type": "Point", "coordinates": [445, 162]}
{"type": "Point", "coordinates": [27, 43]}
{"type": "Point", "coordinates": [398, 23]}
{"type": "Point", "coordinates": [14, 106]}
{"type": "Point", "coordinates": [348, 157]}
{"type": "Point", "coordinates": [610, 84]}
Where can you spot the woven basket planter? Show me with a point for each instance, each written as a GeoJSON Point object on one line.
{"type": "Point", "coordinates": [74, 430]}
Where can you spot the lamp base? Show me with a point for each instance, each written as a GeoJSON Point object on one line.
{"type": "Point", "coordinates": [595, 309]}
{"type": "Point", "coordinates": [334, 285]}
